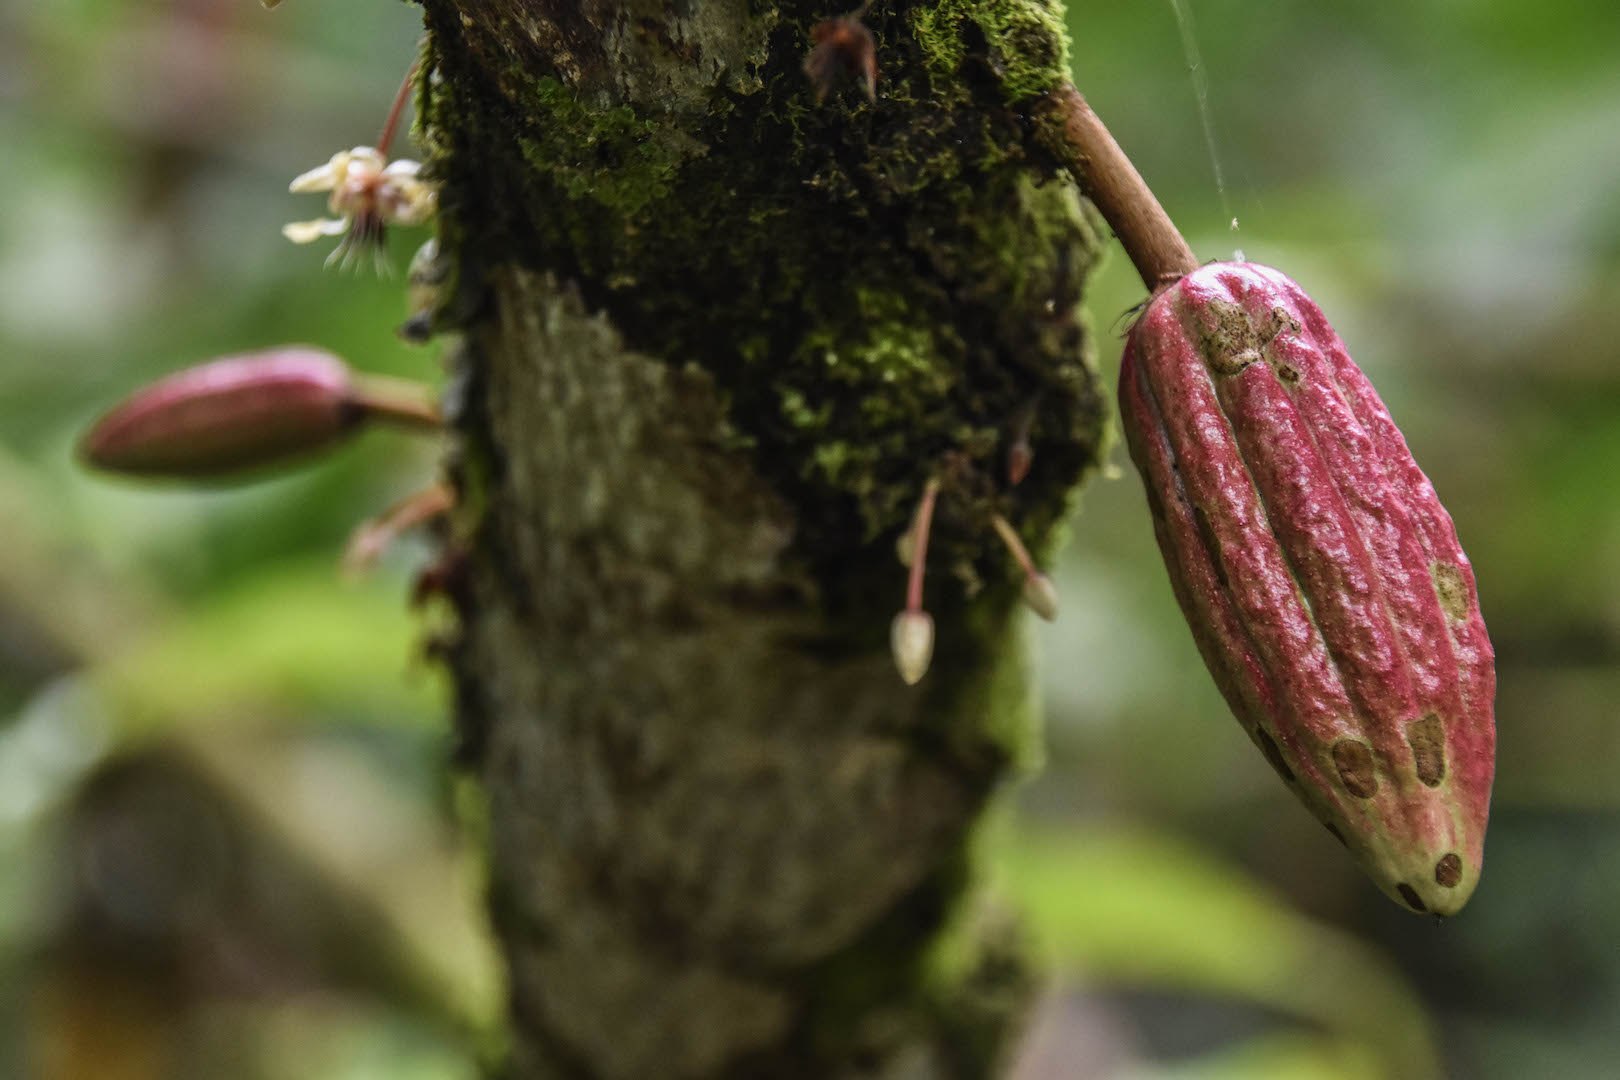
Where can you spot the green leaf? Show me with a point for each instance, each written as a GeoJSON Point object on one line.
{"type": "Point", "coordinates": [292, 641]}
{"type": "Point", "coordinates": [1129, 906]}
{"type": "Point", "coordinates": [1283, 1056]}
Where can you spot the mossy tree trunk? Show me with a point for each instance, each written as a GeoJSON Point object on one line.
{"type": "Point", "coordinates": [716, 338]}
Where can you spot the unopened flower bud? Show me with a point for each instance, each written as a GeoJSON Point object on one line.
{"type": "Point", "coordinates": [911, 638]}
{"type": "Point", "coordinates": [1041, 596]}
{"type": "Point", "coordinates": [244, 412]}
{"type": "Point", "coordinates": [229, 415]}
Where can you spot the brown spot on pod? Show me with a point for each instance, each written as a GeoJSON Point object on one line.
{"type": "Point", "coordinates": [1448, 871]}
{"type": "Point", "coordinates": [1282, 321]}
{"type": "Point", "coordinates": [1452, 589]}
{"type": "Point", "coordinates": [1286, 372]}
{"type": "Point", "coordinates": [1354, 761]}
{"type": "Point", "coordinates": [1230, 343]}
{"type": "Point", "coordinates": [1233, 363]}
{"type": "Point", "coordinates": [1411, 897]}
{"type": "Point", "coordinates": [1427, 738]}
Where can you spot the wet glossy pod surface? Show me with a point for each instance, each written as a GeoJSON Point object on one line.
{"type": "Point", "coordinates": [1319, 573]}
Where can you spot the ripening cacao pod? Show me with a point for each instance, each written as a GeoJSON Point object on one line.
{"type": "Point", "coordinates": [1320, 575]}
{"type": "Point", "coordinates": [228, 415]}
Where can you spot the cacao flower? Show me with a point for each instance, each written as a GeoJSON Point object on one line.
{"type": "Point", "coordinates": [1320, 575]}
{"type": "Point", "coordinates": [369, 193]}
{"type": "Point", "coordinates": [228, 415]}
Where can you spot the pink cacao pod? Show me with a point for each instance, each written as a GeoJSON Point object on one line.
{"type": "Point", "coordinates": [1320, 575]}
{"type": "Point", "coordinates": [228, 415]}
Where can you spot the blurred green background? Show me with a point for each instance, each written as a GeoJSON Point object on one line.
{"type": "Point", "coordinates": [228, 843]}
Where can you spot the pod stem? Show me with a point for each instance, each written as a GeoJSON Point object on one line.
{"type": "Point", "coordinates": [1077, 137]}
{"type": "Point", "coordinates": [400, 402]}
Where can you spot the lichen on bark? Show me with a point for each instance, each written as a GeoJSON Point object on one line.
{"type": "Point", "coordinates": [714, 340]}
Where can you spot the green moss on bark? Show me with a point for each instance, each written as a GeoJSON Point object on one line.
{"type": "Point", "coordinates": [609, 157]}
{"type": "Point", "coordinates": [1022, 41]}
{"type": "Point", "coordinates": [907, 273]}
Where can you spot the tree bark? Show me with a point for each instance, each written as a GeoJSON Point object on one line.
{"type": "Point", "coordinates": [715, 339]}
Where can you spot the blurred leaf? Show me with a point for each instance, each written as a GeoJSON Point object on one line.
{"type": "Point", "coordinates": [342, 812]}
{"type": "Point", "coordinates": [1275, 1057]}
{"type": "Point", "coordinates": [294, 641]}
{"type": "Point", "coordinates": [1130, 906]}
{"type": "Point", "coordinates": [324, 1037]}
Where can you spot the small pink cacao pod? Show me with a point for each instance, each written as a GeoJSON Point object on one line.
{"type": "Point", "coordinates": [228, 415]}
{"type": "Point", "coordinates": [1320, 575]}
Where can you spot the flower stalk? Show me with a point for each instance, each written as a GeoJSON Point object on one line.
{"type": "Point", "coordinates": [1039, 592]}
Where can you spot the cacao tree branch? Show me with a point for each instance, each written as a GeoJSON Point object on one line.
{"type": "Point", "coordinates": [715, 340]}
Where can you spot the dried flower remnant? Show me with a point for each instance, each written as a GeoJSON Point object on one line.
{"type": "Point", "coordinates": [374, 536]}
{"type": "Point", "coordinates": [842, 48]}
{"type": "Point", "coordinates": [1019, 459]}
{"type": "Point", "coordinates": [1020, 454]}
{"type": "Point", "coordinates": [369, 193]}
